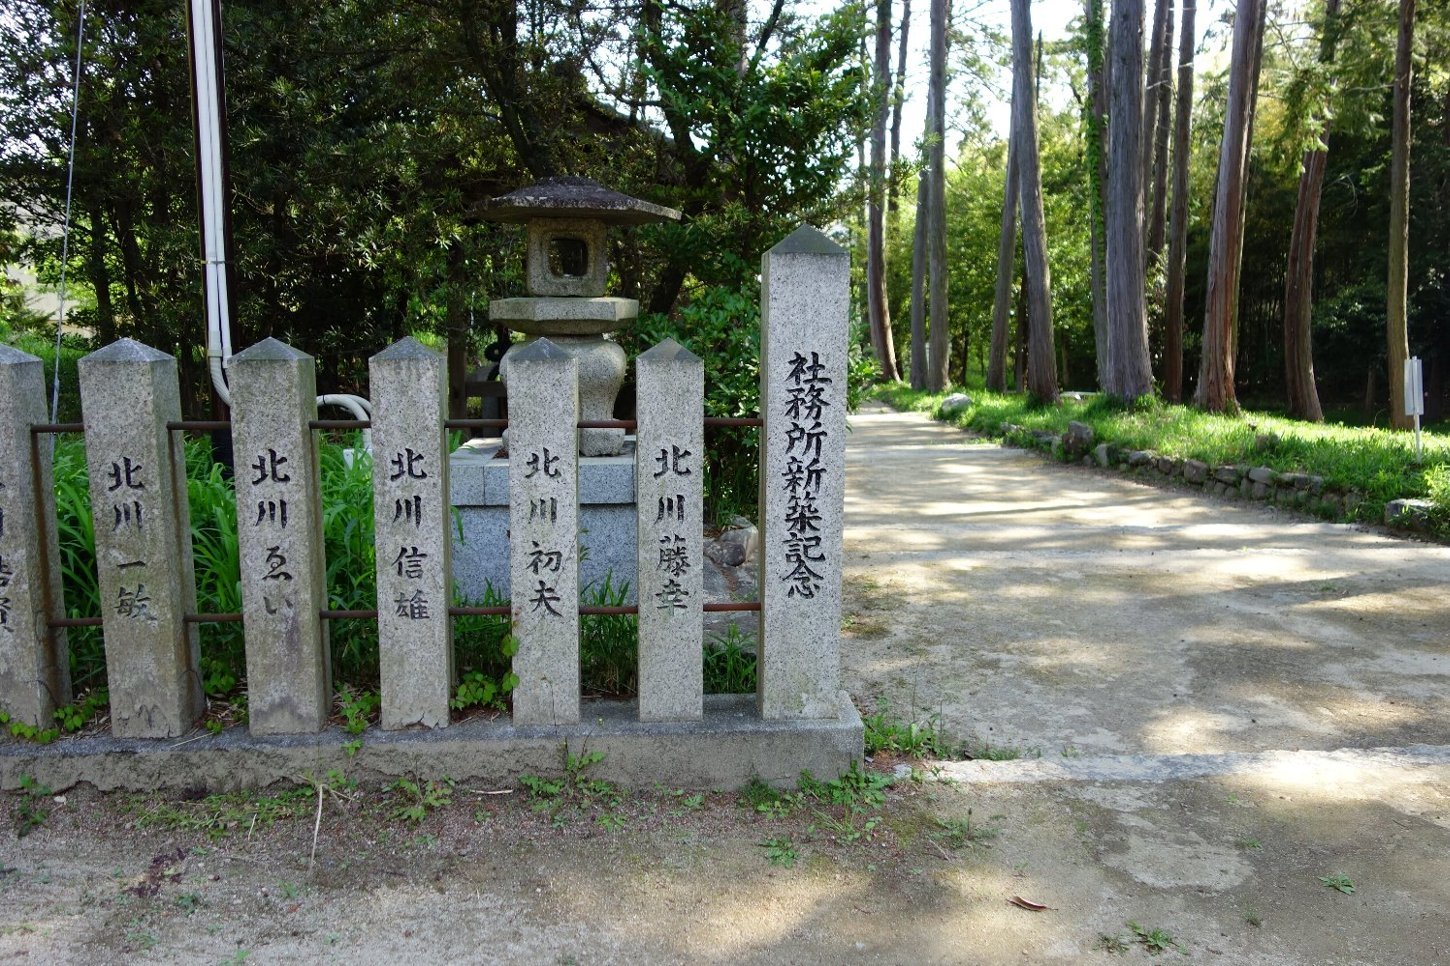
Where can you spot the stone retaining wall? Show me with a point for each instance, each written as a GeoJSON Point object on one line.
{"type": "Point", "coordinates": [1300, 491]}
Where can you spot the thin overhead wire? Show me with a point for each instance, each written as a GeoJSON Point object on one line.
{"type": "Point", "coordinates": [70, 176]}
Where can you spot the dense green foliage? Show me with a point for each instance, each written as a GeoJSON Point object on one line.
{"type": "Point", "coordinates": [1345, 103]}
{"type": "Point", "coordinates": [365, 136]}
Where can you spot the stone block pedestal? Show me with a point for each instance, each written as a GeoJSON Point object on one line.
{"type": "Point", "coordinates": [478, 491]}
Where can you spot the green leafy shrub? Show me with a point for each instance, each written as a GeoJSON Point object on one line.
{"type": "Point", "coordinates": [722, 326]}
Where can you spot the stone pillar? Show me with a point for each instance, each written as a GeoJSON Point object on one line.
{"type": "Point", "coordinates": [669, 471]}
{"type": "Point", "coordinates": [544, 532]}
{"type": "Point", "coordinates": [803, 337]}
{"type": "Point", "coordinates": [139, 508]}
{"type": "Point", "coordinates": [34, 662]}
{"type": "Point", "coordinates": [279, 530]}
{"type": "Point", "coordinates": [411, 524]}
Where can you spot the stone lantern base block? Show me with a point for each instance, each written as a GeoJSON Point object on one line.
{"type": "Point", "coordinates": [478, 492]}
{"type": "Point", "coordinates": [556, 317]}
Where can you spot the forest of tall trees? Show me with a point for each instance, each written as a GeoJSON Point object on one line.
{"type": "Point", "coordinates": [1261, 228]}
{"type": "Point", "coordinates": [1234, 202]}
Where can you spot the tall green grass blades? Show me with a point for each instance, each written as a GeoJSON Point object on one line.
{"type": "Point", "coordinates": [347, 527]}
{"type": "Point", "coordinates": [218, 569]}
{"type": "Point", "coordinates": [77, 539]}
{"type": "Point", "coordinates": [609, 644]}
{"type": "Point", "coordinates": [730, 663]}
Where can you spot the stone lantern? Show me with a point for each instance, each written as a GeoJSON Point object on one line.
{"type": "Point", "coordinates": [567, 267]}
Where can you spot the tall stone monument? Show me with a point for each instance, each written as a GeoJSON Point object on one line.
{"type": "Point", "coordinates": [805, 294]}
{"type": "Point", "coordinates": [34, 660]}
{"type": "Point", "coordinates": [410, 526]}
{"type": "Point", "coordinates": [129, 392]}
{"type": "Point", "coordinates": [279, 532]}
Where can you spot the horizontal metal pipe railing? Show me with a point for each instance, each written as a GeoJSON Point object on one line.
{"type": "Point", "coordinates": [216, 425]}
{"type": "Point", "coordinates": [500, 610]}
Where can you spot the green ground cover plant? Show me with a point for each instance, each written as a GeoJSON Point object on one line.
{"type": "Point", "coordinates": [885, 731]}
{"type": "Point", "coordinates": [1377, 463]}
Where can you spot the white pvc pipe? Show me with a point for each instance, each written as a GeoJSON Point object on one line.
{"type": "Point", "coordinates": [207, 71]}
{"type": "Point", "coordinates": [206, 50]}
{"type": "Point", "coordinates": [357, 405]}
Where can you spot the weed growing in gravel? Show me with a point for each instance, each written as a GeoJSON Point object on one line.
{"type": "Point", "coordinates": [1153, 940]}
{"type": "Point", "coordinates": [856, 789]}
{"type": "Point", "coordinates": [781, 851]}
{"type": "Point", "coordinates": [420, 798]}
{"type": "Point", "coordinates": [575, 790]}
{"type": "Point", "coordinates": [957, 834]}
{"type": "Point", "coordinates": [847, 808]}
{"type": "Point", "coordinates": [220, 815]}
{"type": "Point", "coordinates": [979, 750]}
{"type": "Point", "coordinates": [1338, 882]}
{"type": "Point", "coordinates": [29, 815]}
{"type": "Point", "coordinates": [915, 739]}
{"type": "Point", "coordinates": [1111, 944]}
{"type": "Point", "coordinates": [851, 827]}
{"type": "Point", "coordinates": [760, 797]}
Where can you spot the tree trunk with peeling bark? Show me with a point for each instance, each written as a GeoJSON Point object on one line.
{"type": "Point", "coordinates": [898, 101]}
{"type": "Point", "coordinates": [937, 373]}
{"type": "Point", "coordinates": [1096, 111]}
{"type": "Point", "coordinates": [1041, 356]}
{"type": "Point", "coordinates": [1178, 228]}
{"type": "Point", "coordinates": [1163, 98]}
{"type": "Point", "coordinates": [918, 283]}
{"type": "Point", "coordinates": [1129, 373]}
{"type": "Point", "coordinates": [878, 311]}
{"type": "Point", "coordinates": [1215, 390]}
{"type": "Point", "coordinates": [1157, 51]}
{"type": "Point", "coordinates": [1397, 328]}
{"type": "Point", "coordinates": [1303, 395]}
{"type": "Point", "coordinates": [1006, 251]}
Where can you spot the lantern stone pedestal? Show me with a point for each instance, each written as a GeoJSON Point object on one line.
{"type": "Point", "coordinates": [479, 493]}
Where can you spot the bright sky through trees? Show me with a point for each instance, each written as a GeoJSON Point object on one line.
{"type": "Point", "coordinates": [1050, 17]}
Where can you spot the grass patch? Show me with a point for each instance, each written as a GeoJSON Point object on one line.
{"type": "Point", "coordinates": [1376, 463]}
{"type": "Point", "coordinates": [730, 663]}
{"type": "Point", "coordinates": [219, 816]}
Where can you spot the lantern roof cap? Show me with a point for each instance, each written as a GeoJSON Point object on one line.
{"type": "Point", "coordinates": [574, 197]}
